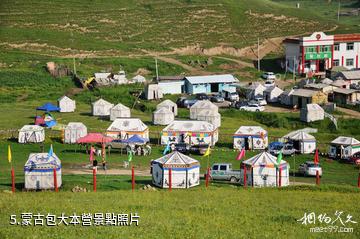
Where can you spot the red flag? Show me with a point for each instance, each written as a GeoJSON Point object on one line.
{"type": "Point", "coordinates": [316, 157]}
{"type": "Point", "coordinates": [241, 154]}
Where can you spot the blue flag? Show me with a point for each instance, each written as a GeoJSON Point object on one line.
{"type": "Point", "coordinates": [167, 148]}
{"type": "Point", "coordinates": [51, 151]}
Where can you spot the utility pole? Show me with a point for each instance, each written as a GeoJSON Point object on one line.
{"type": "Point", "coordinates": [258, 54]}
{"type": "Point", "coordinates": [74, 65]}
{"type": "Point", "coordinates": [157, 71]}
{"type": "Point", "coordinates": [338, 13]}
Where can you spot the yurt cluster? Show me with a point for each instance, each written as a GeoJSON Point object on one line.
{"type": "Point", "coordinates": [202, 127]}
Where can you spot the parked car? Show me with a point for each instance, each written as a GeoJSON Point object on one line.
{"type": "Point", "coordinates": [223, 171]}
{"type": "Point", "coordinates": [252, 107]}
{"type": "Point", "coordinates": [238, 104]}
{"type": "Point", "coordinates": [275, 148]}
{"type": "Point", "coordinates": [269, 83]}
{"type": "Point", "coordinates": [260, 101]}
{"type": "Point", "coordinates": [180, 101]}
{"type": "Point", "coordinates": [199, 149]}
{"type": "Point", "coordinates": [288, 149]}
{"type": "Point", "coordinates": [355, 158]}
{"type": "Point", "coordinates": [182, 148]}
{"type": "Point", "coordinates": [202, 96]}
{"type": "Point", "coordinates": [268, 76]}
{"type": "Point", "coordinates": [230, 96]}
{"type": "Point", "coordinates": [309, 168]}
{"type": "Point", "coordinates": [217, 99]}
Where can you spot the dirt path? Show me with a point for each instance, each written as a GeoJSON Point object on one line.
{"type": "Point", "coordinates": [109, 172]}
{"type": "Point", "coordinates": [351, 113]}
{"type": "Point", "coordinates": [239, 62]}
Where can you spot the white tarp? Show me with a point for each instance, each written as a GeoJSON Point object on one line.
{"type": "Point", "coordinates": [31, 134]}
{"type": "Point", "coordinates": [250, 137]}
{"type": "Point", "coordinates": [101, 108]}
{"type": "Point", "coordinates": [162, 116]}
{"type": "Point", "coordinates": [73, 131]}
{"type": "Point", "coordinates": [210, 116]}
{"type": "Point", "coordinates": [202, 105]}
{"type": "Point", "coordinates": [119, 111]}
{"type": "Point", "coordinates": [185, 171]}
{"type": "Point", "coordinates": [169, 105]}
{"type": "Point", "coordinates": [39, 171]}
{"type": "Point", "coordinates": [66, 104]}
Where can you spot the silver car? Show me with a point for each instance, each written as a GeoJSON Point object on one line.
{"type": "Point", "coordinates": [309, 168]}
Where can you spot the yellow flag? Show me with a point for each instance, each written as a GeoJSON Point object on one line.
{"type": "Point", "coordinates": [207, 153]}
{"type": "Point", "coordinates": [9, 154]}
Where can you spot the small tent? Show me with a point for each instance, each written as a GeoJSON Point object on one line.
{"type": "Point", "coordinates": [303, 142]}
{"type": "Point", "coordinates": [124, 128]}
{"type": "Point", "coordinates": [119, 111]}
{"type": "Point", "coordinates": [153, 92]}
{"type": "Point", "coordinates": [191, 132]}
{"type": "Point", "coordinates": [272, 94]}
{"type": "Point", "coordinates": [39, 171]}
{"type": "Point", "coordinates": [312, 112]}
{"type": "Point", "coordinates": [262, 171]}
{"type": "Point", "coordinates": [250, 137]}
{"type": "Point", "coordinates": [74, 131]}
{"type": "Point", "coordinates": [139, 79]}
{"type": "Point", "coordinates": [101, 108]}
{"type": "Point", "coordinates": [94, 138]}
{"type": "Point", "coordinates": [210, 116]}
{"type": "Point", "coordinates": [162, 116]}
{"type": "Point", "coordinates": [344, 147]}
{"type": "Point", "coordinates": [31, 134]}
{"type": "Point", "coordinates": [254, 90]}
{"type": "Point", "coordinates": [135, 140]}
{"type": "Point", "coordinates": [48, 107]}
{"type": "Point", "coordinates": [200, 105]}
{"type": "Point", "coordinates": [185, 171]}
{"type": "Point", "coordinates": [169, 105]}
{"type": "Point", "coordinates": [66, 104]}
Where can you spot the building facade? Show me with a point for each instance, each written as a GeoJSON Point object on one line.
{"type": "Point", "coordinates": [320, 52]}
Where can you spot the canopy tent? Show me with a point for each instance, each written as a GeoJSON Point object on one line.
{"type": "Point", "coordinates": [202, 105]}
{"type": "Point", "coordinates": [123, 128]}
{"type": "Point", "coordinates": [135, 139]}
{"type": "Point", "coordinates": [192, 132]}
{"type": "Point", "coordinates": [185, 171]}
{"type": "Point", "coordinates": [210, 116]}
{"type": "Point", "coordinates": [312, 112]}
{"type": "Point", "coordinates": [169, 105]}
{"type": "Point", "coordinates": [48, 107]}
{"type": "Point", "coordinates": [46, 120]}
{"type": "Point", "coordinates": [344, 147]}
{"type": "Point", "coordinates": [250, 137]}
{"type": "Point", "coordinates": [94, 138]}
{"type": "Point", "coordinates": [261, 171]}
{"type": "Point", "coordinates": [31, 134]}
{"type": "Point", "coordinates": [303, 142]}
{"type": "Point", "coordinates": [39, 171]}
{"type": "Point", "coordinates": [74, 131]}
{"type": "Point", "coordinates": [101, 108]}
{"type": "Point", "coordinates": [66, 104]}
{"type": "Point", "coordinates": [119, 111]}
{"type": "Point", "coordinates": [162, 116]}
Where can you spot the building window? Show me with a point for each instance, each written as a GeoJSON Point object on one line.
{"type": "Point", "coordinates": [336, 47]}
{"type": "Point", "coordinates": [350, 46]}
{"type": "Point", "coordinates": [349, 62]}
{"type": "Point", "coordinates": [310, 49]}
{"type": "Point", "coordinates": [325, 49]}
{"type": "Point", "coordinates": [336, 63]}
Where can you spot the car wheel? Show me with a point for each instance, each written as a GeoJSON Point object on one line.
{"type": "Point", "coordinates": [242, 109]}
{"type": "Point", "coordinates": [257, 110]}
{"type": "Point", "coordinates": [233, 180]}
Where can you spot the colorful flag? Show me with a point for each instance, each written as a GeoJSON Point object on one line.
{"type": "Point", "coordinates": [316, 157]}
{"type": "Point", "coordinates": [51, 151]}
{"type": "Point", "coordinates": [207, 153]}
{"type": "Point", "coordinates": [167, 148]}
{"type": "Point", "coordinates": [130, 155]}
{"type": "Point", "coordinates": [241, 154]}
{"type": "Point", "coordinates": [279, 158]}
{"type": "Point", "coordinates": [9, 154]}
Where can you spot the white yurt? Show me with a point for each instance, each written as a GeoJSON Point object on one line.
{"type": "Point", "coordinates": [250, 137]}
{"type": "Point", "coordinates": [162, 116]}
{"type": "Point", "coordinates": [139, 79]}
{"type": "Point", "coordinates": [119, 111]}
{"type": "Point", "coordinates": [312, 112]}
{"type": "Point", "coordinates": [153, 92]}
{"type": "Point", "coordinates": [39, 171]}
{"type": "Point", "coordinates": [210, 116]}
{"type": "Point", "coordinates": [344, 147]}
{"type": "Point", "coordinates": [101, 108]}
{"type": "Point", "coordinates": [303, 142]}
{"type": "Point", "coordinates": [200, 106]}
{"type": "Point", "coordinates": [185, 171]}
{"type": "Point", "coordinates": [31, 134]}
{"type": "Point", "coordinates": [73, 131]}
{"type": "Point", "coordinates": [66, 104]}
{"type": "Point", "coordinates": [124, 128]}
{"type": "Point", "coordinates": [169, 105]}
{"type": "Point", "coordinates": [261, 171]}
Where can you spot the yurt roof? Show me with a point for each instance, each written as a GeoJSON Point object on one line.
{"type": "Point", "coordinates": [177, 160]}
{"type": "Point", "coordinates": [343, 140]}
{"type": "Point", "coordinates": [101, 102]}
{"type": "Point", "coordinates": [166, 103]}
{"type": "Point", "coordinates": [207, 112]}
{"type": "Point", "coordinates": [314, 107]}
{"type": "Point", "coordinates": [250, 130]}
{"type": "Point", "coordinates": [120, 106]}
{"type": "Point", "coordinates": [64, 97]}
{"type": "Point", "coordinates": [190, 126]}
{"type": "Point", "coordinates": [300, 136]}
{"type": "Point", "coordinates": [75, 125]}
{"type": "Point", "coordinates": [163, 111]}
{"type": "Point", "coordinates": [31, 128]}
{"type": "Point", "coordinates": [263, 159]}
{"type": "Point", "coordinates": [204, 104]}
{"type": "Point", "coordinates": [127, 124]}
{"type": "Point", "coordinates": [40, 161]}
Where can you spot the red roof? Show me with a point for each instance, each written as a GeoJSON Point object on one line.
{"type": "Point", "coordinates": [94, 138]}
{"type": "Point", "coordinates": [347, 37]}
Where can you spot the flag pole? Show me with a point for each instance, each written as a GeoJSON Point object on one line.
{"type": "Point", "coordinates": [12, 178]}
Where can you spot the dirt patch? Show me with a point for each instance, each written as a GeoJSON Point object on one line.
{"type": "Point", "coordinates": [104, 20]}
{"type": "Point", "coordinates": [351, 113]}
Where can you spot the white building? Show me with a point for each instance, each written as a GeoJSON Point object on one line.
{"type": "Point", "coordinates": [153, 92]}
{"type": "Point", "coordinates": [73, 131]}
{"type": "Point", "coordinates": [31, 134]}
{"type": "Point", "coordinates": [119, 111]}
{"type": "Point", "coordinates": [319, 52]}
{"type": "Point", "coordinates": [66, 104]}
{"type": "Point", "coordinates": [101, 108]}
{"type": "Point", "coordinates": [272, 94]}
{"type": "Point", "coordinates": [312, 112]}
